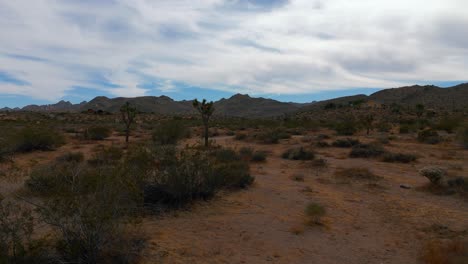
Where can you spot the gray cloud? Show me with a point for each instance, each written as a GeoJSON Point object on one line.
{"type": "Point", "coordinates": [258, 46]}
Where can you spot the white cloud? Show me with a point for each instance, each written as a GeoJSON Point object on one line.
{"type": "Point", "coordinates": [302, 46]}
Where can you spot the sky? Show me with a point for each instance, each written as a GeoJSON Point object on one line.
{"type": "Point", "coordinates": [296, 50]}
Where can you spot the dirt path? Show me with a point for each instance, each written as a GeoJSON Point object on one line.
{"type": "Point", "coordinates": [380, 223]}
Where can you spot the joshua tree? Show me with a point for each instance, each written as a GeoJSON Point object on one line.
{"type": "Point", "coordinates": [128, 117]}
{"type": "Point", "coordinates": [206, 109]}
{"type": "Point", "coordinates": [367, 121]}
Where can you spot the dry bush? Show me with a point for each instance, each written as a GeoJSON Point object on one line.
{"type": "Point", "coordinates": [366, 151]}
{"type": "Point", "coordinates": [398, 157]}
{"type": "Point", "coordinates": [298, 153]}
{"type": "Point", "coordinates": [345, 143]}
{"type": "Point", "coordinates": [297, 177]}
{"type": "Point", "coordinates": [429, 136]}
{"type": "Point", "coordinates": [97, 133]}
{"type": "Point", "coordinates": [436, 175]}
{"type": "Point", "coordinates": [356, 173]}
{"type": "Point", "coordinates": [259, 156]}
{"type": "Point", "coordinates": [314, 213]}
{"type": "Point", "coordinates": [170, 132]}
{"type": "Point", "coordinates": [442, 252]}
{"type": "Point", "coordinates": [37, 138]}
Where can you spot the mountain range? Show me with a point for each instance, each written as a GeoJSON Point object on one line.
{"type": "Point", "coordinates": [239, 105]}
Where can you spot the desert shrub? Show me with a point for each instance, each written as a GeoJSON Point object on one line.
{"type": "Point", "coordinates": [190, 174]}
{"type": "Point", "coordinates": [97, 133]}
{"type": "Point", "coordinates": [398, 157]}
{"type": "Point", "coordinates": [71, 157]}
{"type": "Point", "coordinates": [297, 177]}
{"type": "Point", "coordinates": [16, 229]}
{"type": "Point", "coordinates": [356, 173]}
{"type": "Point", "coordinates": [449, 123]}
{"type": "Point", "coordinates": [459, 184]}
{"type": "Point", "coordinates": [106, 155]}
{"type": "Point", "coordinates": [322, 144]}
{"type": "Point", "coordinates": [259, 156]}
{"type": "Point", "coordinates": [323, 136]}
{"type": "Point", "coordinates": [298, 153]}
{"type": "Point", "coordinates": [435, 174]}
{"type": "Point", "coordinates": [246, 153]}
{"type": "Point", "coordinates": [383, 126]}
{"type": "Point", "coordinates": [404, 129]}
{"type": "Point", "coordinates": [169, 132]}
{"type": "Point", "coordinates": [37, 138]}
{"type": "Point", "coordinates": [240, 136]}
{"type": "Point", "coordinates": [346, 127]}
{"type": "Point", "coordinates": [314, 213]}
{"type": "Point", "coordinates": [272, 136]}
{"type": "Point", "coordinates": [230, 133]}
{"type": "Point", "coordinates": [462, 136]}
{"type": "Point", "coordinates": [429, 136]}
{"type": "Point", "coordinates": [6, 150]}
{"type": "Point", "coordinates": [366, 151]}
{"type": "Point", "coordinates": [345, 143]}
{"type": "Point", "coordinates": [89, 208]}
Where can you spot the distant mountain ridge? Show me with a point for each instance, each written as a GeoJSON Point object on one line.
{"type": "Point", "coordinates": [240, 105]}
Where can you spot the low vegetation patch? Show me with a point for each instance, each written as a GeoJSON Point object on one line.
{"type": "Point", "coordinates": [272, 136]}
{"type": "Point", "coordinates": [37, 138]}
{"type": "Point", "coordinates": [398, 157]}
{"type": "Point", "coordinates": [259, 156]}
{"type": "Point", "coordinates": [366, 151]}
{"type": "Point", "coordinates": [314, 213]}
{"type": "Point", "coordinates": [462, 135]}
{"type": "Point", "coordinates": [429, 136]}
{"type": "Point", "coordinates": [356, 173]}
{"type": "Point", "coordinates": [97, 133]}
{"type": "Point", "coordinates": [170, 132]}
{"type": "Point", "coordinates": [345, 143]}
{"type": "Point", "coordinates": [299, 153]}
{"type": "Point", "coordinates": [436, 175]}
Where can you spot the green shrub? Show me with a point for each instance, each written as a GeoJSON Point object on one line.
{"type": "Point", "coordinates": [449, 123]}
{"type": "Point", "coordinates": [398, 157]}
{"type": "Point", "coordinates": [404, 129]}
{"type": "Point", "coordinates": [71, 157]}
{"type": "Point", "coordinates": [35, 138]}
{"type": "Point", "coordinates": [435, 174]}
{"type": "Point", "coordinates": [88, 207]}
{"type": "Point", "coordinates": [345, 143]}
{"type": "Point", "coordinates": [240, 136]}
{"type": "Point", "coordinates": [383, 126]}
{"type": "Point", "coordinates": [272, 136]}
{"type": "Point", "coordinates": [16, 230]}
{"type": "Point", "coordinates": [322, 144]}
{"type": "Point", "coordinates": [97, 133]}
{"type": "Point", "coordinates": [169, 132]}
{"type": "Point", "coordinates": [356, 173]}
{"type": "Point", "coordinates": [366, 151]}
{"type": "Point", "coordinates": [192, 174]}
{"type": "Point", "coordinates": [429, 136]}
{"type": "Point", "coordinates": [346, 127]}
{"type": "Point", "coordinates": [246, 153]}
{"type": "Point", "coordinates": [106, 155]}
{"type": "Point", "coordinates": [259, 156]}
{"type": "Point", "coordinates": [314, 213]}
{"type": "Point", "coordinates": [298, 153]}
{"type": "Point", "coordinates": [462, 136]}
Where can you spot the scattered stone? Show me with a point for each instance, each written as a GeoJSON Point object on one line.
{"type": "Point", "coordinates": [405, 186]}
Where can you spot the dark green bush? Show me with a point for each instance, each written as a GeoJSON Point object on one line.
{"type": "Point", "coordinates": [462, 136]}
{"type": "Point", "coordinates": [259, 156]}
{"type": "Point", "coordinates": [192, 174]}
{"type": "Point", "coordinates": [322, 144]}
{"type": "Point", "coordinates": [106, 155]}
{"type": "Point", "coordinates": [404, 129]}
{"type": "Point", "coordinates": [37, 138]}
{"type": "Point", "coordinates": [298, 153]}
{"type": "Point", "coordinates": [346, 127]}
{"type": "Point", "coordinates": [345, 143]}
{"type": "Point", "coordinates": [398, 157]}
{"type": "Point", "coordinates": [272, 136]}
{"type": "Point", "coordinates": [449, 123]}
{"type": "Point", "coordinates": [240, 136]}
{"type": "Point", "coordinates": [170, 132]}
{"type": "Point", "coordinates": [71, 157]}
{"type": "Point", "coordinates": [429, 136]}
{"type": "Point", "coordinates": [97, 133]}
{"type": "Point", "coordinates": [366, 151]}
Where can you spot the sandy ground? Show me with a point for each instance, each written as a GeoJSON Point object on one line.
{"type": "Point", "coordinates": [365, 222]}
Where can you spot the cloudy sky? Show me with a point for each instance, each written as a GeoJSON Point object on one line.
{"type": "Point", "coordinates": [297, 50]}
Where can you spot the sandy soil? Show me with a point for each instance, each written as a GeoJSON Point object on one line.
{"type": "Point", "coordinates": [365, 222]}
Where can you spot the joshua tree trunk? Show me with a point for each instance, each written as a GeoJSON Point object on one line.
{"type": "Point", "coordinates": [205, 123]}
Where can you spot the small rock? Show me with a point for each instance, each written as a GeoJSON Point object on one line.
{"type": "Point", "coordinates": [405, 186]}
